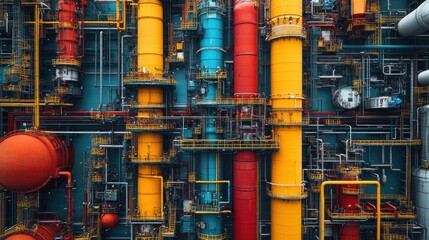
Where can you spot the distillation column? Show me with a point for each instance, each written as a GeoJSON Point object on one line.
{"type": "Point", "coordinates": [211, 61]}
{"type": "Point", "coordinates": [245, 163]}
{"type": "Point", "coordinates": [150, 102]}
{"type": "Point", "coordinates": [67, 63]}
{"type": "Point", "coordinates": [286, 99]}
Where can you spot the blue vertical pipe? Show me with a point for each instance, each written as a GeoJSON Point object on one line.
{"type": "Point", "coordinates": [211, 60]}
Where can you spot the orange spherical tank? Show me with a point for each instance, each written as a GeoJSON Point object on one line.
{"type": "Point", "coordinates": [29, 159]}
{"type": "Point", "coordinates": [109, 220]}
{"type": "Point", "coordinates": [20, 237]}
{"type": "Point", "coordinates": [39, 232]}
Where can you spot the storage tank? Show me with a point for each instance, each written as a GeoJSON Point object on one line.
{"type": "Point", "coordinates": [29, 159]}
{"type": "Point", "coordinates": [416, 22]}
{"type": "Point", "coordinates": [421, 174]}
{"type": "Point", "coordinates": [346, 98]}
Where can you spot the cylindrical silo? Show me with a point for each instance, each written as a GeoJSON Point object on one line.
{"type": "Point", "coordinates": [421, 174]}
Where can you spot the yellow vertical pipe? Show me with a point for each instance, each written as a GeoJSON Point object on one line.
{"type": "Point", "coordinates": [36, 122]}
{"type": "Point", "coordinates": [286, 92]}
{"type": "Point", "coordinates": [150, 60]}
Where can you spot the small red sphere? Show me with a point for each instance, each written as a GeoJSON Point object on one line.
{"type": "Point", "coordinates": [109, 220]}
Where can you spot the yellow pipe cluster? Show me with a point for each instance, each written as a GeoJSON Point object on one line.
{"type": "Point", "coordinates": [150, 60]}
{"type": "Point", "coordinates": [286, 99]}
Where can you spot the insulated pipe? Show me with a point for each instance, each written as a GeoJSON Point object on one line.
{"type": "Point", "coordinates": [245, 163]}
{"type": "Point", "coordinates": [150, 144]}
{"type": "Point", "coordinates": [416, 22]}
{"type": "Point", "coordinates": [211, 60]}
{"type": "Point", "coordinates": [286, 97]}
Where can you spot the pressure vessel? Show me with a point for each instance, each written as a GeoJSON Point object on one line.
{"type": "Point", "coordinates": [29, 159]}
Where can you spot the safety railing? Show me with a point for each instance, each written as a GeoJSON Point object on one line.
{"type": "Point", "coordinates": [72, 62]}
{"type": "Point", "coordinates": [225, 145]}
{"type": "Point", "coordinates": [283, 31]}
{"type": "Point", "coordinates": [209, 75]}
{"type": "Point", "coordinates": [203, 236]}
{"type": "Point", "coordinates": [286, 191]}
{"type": "Point", "coordinates": [147, 78]}
{"type": "Point", "coordinates": [387, 142]}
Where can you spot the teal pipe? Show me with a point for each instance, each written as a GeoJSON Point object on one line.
{"type": "Point", "coordinates": [211, 60]}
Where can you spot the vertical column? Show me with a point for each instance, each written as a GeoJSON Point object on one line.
{"type": "Point", "coordinates": [245, 163]}
{"type": "Point", "coordinates": [211, 63]}
{"type": "Point", "coordinates": [150, 144]}
{"type": "Point", "coordinates": [286, 99]}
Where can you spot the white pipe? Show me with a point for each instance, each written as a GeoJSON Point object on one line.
{"type": "Point", "coordinates": [122, 71]}
{"type": "Point", "coordinates": [321, 151]}
{"type": "Point", "coordinates": [416, 22]}
{"type": "Point", "coordinates": [101, 71]}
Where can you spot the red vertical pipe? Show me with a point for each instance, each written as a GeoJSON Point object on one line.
{"type": "Point", "coordinates": [350, 204]}
{"type": "Point", "coordinates": [245, 163]}
{"type": "Point", "coordinates": [67, 37]}
{"type": "Point", "coordinates": [69, 187]}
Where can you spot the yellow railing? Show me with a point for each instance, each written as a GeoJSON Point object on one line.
{"type": "Point", "coordinates": [145, 218]}
{"type": "Point", "coordinates": [150, 126]}
{"type": "Point", "coordinates": [98, 151]}
{"type": "Point", "coordinates": [387, 142]}
{"type": "Point", "coordinates": [189, 24]}
{"type": "Point", "coordinates": [223, 144]}
{"type": "Point", "coordinates": [216, 75]}
{"type": "Point", "coordinates": [349, 170]}
{"type": "Point", "coordinates": [291, 30]}
{"type": "Point", "coordinates": [287, 122]}
{"type": "Point", "coordinates": [100, 140]}
{"type": "Point", "coordinates": [150, 78]}
{"type": "Point", "coordinates": [212, 237]}
{"type": "Point", "coordinates": [332, 121]}
{"type": "Point", "coordinates": [357, 215]}
{"type": "Point", "coordinates": [236, 101]}
{"type": "Point", "coordinates": [73, 62]}
{"type": "Point", "coordinates": [282, 194]}
{"type": "Point", "coordinates": [315, 176]}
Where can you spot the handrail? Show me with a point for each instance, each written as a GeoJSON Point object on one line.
{"type": "Point", "coordinates": [322, 203]}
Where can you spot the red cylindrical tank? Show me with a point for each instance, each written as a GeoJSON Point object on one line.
{"type": "Point", "coordinates": [29, 159]}
{"type": "Point", "coordinates": [39, 232]}
{"type": "Point", "coordinates": [245, 194]}
{"type": "Point", "coordinates": [67, 37]}
{"type": "Point", "coordinates": [109, 220]}
{"type": "Point", "coordinates": [245, 48]}
{"type": "Point", "coordinates": [245, 163]}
